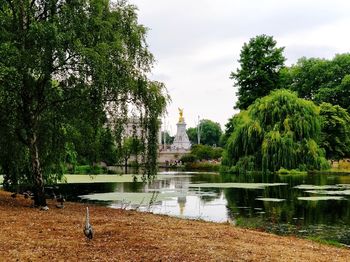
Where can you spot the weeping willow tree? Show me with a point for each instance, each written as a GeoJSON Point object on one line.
{"type": "Point", "coordinates": [67, 64]}
{"type": "Point", "coordinates": [277, 131]}
{"type": "Point", "coordinates": [335, 131]}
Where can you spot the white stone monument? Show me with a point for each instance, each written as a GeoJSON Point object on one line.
{"type": "Point", "coordinates": [181, 141]}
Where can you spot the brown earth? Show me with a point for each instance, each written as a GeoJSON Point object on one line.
{"type": "Point", "coordinates": [28, 234]}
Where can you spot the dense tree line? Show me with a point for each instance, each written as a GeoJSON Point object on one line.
{"type": "Point", "coordinates": [320, 80]}
{"type": "Point", "coordinates": [65, 68]}
{"type": "Point", "coordinates": [278, 129]}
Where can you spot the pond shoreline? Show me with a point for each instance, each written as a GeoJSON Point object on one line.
{"type": "Point", "coordinates": [120, 235]}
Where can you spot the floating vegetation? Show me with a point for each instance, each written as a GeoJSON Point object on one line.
{"type": "Point", "coordinates": [126, 178]}
{"type": "Point", "coordinates": [270, 199]}
{"type": "Point", "coordinates": [320, 198]}
{"type": "Point", "coordinates": [330, 192]}
{"type": "Point", "coordinates": [177, 173]}
{"type": "Point", "coordinates": [287, 172]}
{"type": "Point", "coordinates": [70, 179]}
{"type": "Point", "coordinates": [131, 198]}
{"type": "Point", "coordinates": [314, 187]}
{"type": "Point", "coordinates": [340, 189]}
{"type": "Point", "coordinates": [164, 177]}
{"type": "Point", "coordinates": [344, 185]}
{"type": "Point", "coordinates": [237, 185]}
{"type": "Point", "coordinates": [142, 197]}
{"type": "Point", "coordinates": [166, 190]}
{"type": "Point", "coordinates": [182, 192]}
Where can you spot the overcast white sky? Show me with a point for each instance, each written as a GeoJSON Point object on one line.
{"type": "Point", "coordinates": [197, 44]}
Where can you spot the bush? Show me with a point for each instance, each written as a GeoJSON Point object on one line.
{"type": "Point", "coordinates": [188, 158]}
{"type": "Point", "coordinates": [206, 152]}
{"type": "Point", "coordinates": [344, 164]}
{"type": "Point", "coordinates": [284, 171]}
{"type": "Point", "coordinates": [203, 166]}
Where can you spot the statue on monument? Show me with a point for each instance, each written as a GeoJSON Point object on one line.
{"type": "Point", "coordinates": [181, 141]}
{"type": "Point", "coordinates": [181, 113]}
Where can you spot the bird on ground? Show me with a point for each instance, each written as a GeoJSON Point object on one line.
{"type": "Point", "coordinates": [60, 200]}
{"type": "Point", "coordinates": [89, 233]}
{"type": "Point", "coordinates": [26, 195]}
{"type": "Point", "coordinates": [50, 193]}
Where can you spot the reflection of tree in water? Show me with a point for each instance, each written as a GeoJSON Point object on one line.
{"type": "Point", "coordinates": [133, 187]}
{"type": "Point", "coordinates": [241, 202]}
{"type": "Point", "coordinates": [207, 178]}
{"type": "Point", "coordinates": [209, 194]}
{"type": "Point", "coordinates": [291, 215]}
{"type": "Point", "coordinates": [72, 191]}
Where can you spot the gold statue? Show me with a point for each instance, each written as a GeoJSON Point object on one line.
{"type": "Point", "coordinates": [181, 113]}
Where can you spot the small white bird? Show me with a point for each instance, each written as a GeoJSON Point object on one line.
{"type": "Point", "coordinates": [89, 233]}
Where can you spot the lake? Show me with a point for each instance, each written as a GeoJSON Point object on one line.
{"type": "Point", "coordinates": [307, 205]}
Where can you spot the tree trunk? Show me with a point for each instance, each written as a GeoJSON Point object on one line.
{"type": "Point", "coordinates": [125, 165]}
{"type": "Point", "coordinates": [38, 187]}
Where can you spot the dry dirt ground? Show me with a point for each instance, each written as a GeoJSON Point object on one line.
{"type": "Point", "coordinates": [27, 234]}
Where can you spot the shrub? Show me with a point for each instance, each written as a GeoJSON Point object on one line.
{"type": "Point", "coordinates": [188, 158]}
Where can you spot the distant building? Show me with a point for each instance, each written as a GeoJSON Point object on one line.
{"type": "Point", "coordinates": [133, 128]}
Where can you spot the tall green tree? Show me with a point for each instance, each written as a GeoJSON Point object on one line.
{"type": "Point", "coordinates": [210, 133]}
{"type": "Point", "coordinates": [192, 135]}
{"type": "Point", "coordinates": [277, 131]}
{"type": "Point", "coordinates": [306, 76]}
{"type": "Point", "coordinates": [167, 138]}
{"type": "Point", "coordinates": [335, 131]}
{"type": "Point", "coordinates": [260, 64]}
{"type": "Point", "coordinates": [234, 122]}
{"type": "Point", "coordinates": [131, 146]}
{"type": "Point", "coordinates": [320, 80]}
{"type": "Point", "coordinates": [108, 150]}
{"type": "Point", "coordinates": [67, 62]}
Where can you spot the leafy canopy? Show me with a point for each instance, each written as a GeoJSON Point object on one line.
{"type": "Point", "coordinates": [320, 80]}
{"type": "Point", "coordinates": [335, 131]}
{"type": "Point", "coordinates": [65, 68]}
{"type": "Point", "coordinates": [260, 64]}
{"type": "Point", "coordinates": [277, 131]}
{"type": "Point", "coordinates": [210, 133]}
